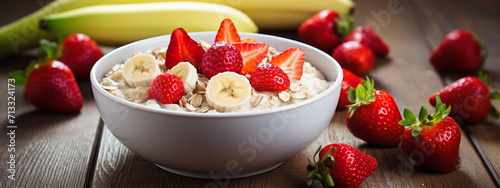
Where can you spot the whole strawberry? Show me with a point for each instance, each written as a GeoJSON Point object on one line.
{"type": "Point", "coordinates": [369, 38]}
{"type": "Point", "coordinates": [325, 30]}
{"type": "Point", "coordinates": [433, 140]}
{"type": "Point", "coordinates": [374, 116]}
{"type": "Point", "coordinates": [469, 98]}
{"type": "Point", "coordinates": [354, 56]}
{"type": "Point", "coordinates": [458, 52]}
{"type": "Point", "coordinates": [221, 57]}
{"type": "Point", "coordinates": [349, 80]}
{"type": "Point", "coordinates": [269, 77]}
{"type": "Point", "coordinates": [80, 53]}
{"type": "Point", "coordinates": [340, 165]}
{"type": "Point", "coordinates": [166, 88]}
{"type": "Point", "coordinates": [49, 84]}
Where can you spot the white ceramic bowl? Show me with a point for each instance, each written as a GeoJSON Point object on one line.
{"type": "Point", "coordinates": [217, 145]}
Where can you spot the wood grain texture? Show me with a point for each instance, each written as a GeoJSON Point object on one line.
{"type": "Point", "coordinates": [77, 150]}
{"type": "Point", "coordinates": [406, 74]}
{"type": "Point", "coordinates": [51, 149]}
{"type": "Point", "coordinates": [480, 18]}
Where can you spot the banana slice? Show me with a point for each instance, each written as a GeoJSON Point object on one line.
{"type": "Point", "coordinates": [140, 70]}
{"type": "Point", "coordinates": [187, 73]}
{"type": "Point", "coordinates": [228, 92]}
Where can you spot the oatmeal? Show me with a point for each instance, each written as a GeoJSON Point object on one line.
{"type": "Point", "coordinates": [310, 84]}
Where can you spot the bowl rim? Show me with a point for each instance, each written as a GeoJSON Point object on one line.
{"type": "Point", "coordinates": [96, 85]}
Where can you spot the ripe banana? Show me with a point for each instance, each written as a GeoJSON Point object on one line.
{"type": "Point", "coordinates": [187, 73]}
{"type": "Point", "coordinates": [140, 70]}
{"type": "Point", "coordinates": [275, 14]}
{"type": "Point", "coordinates": [121, 24]}
{"type": "Point", "coordinates": [228, 92]}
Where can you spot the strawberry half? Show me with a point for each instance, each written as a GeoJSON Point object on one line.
{"type": "Point", "coordinates": [293, 59]}
{"type": "Point", "coordinates": [227, 32]}
{"type": "Point", "coordinates": [252, 54]}
{"type": "Point", "coordinates": [432, 140]}
{"type": "Point", "coordinates": [269, 77]}
{"type": "Point", "coordinates": [183, 48]}
{"type": "Point", "coordinates": [340, 165]}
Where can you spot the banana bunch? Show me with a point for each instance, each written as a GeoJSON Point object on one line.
{"type": "Point", "coordinates": [121, 24]}
{"type": "Point", "coordinates": [267, 15]}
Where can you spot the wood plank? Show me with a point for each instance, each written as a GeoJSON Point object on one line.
{"type": "Point", "coordinates": [480, 18]}
{"type": "Point", "coordinates": [118, 167]}
{"type": "Point", "coordinates": [419, 81]}
{"type": "Point", "coordinates": [51, 149]}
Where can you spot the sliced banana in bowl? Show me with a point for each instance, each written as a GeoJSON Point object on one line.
{"type": "Point", "coordinates": [140, 70]}
{"type": "Point", "coordinates": [187, 73]}
{"type": "Point", "coordinates": [228, 92]}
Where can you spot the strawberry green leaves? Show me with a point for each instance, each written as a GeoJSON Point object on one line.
{"type": "Point", "coordinates": [424, 118]}
{"type": "Point", "coordinates": [362, 95]}
{"type": "Point", "coordinates": [49, 49]}
{"type": "Point", "coordinates": [493, 95]}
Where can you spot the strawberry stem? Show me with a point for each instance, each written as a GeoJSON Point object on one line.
{"type": "Point", "coordinates": [320, 170]}
{"type": "Point", "coordinates": [345, 25]}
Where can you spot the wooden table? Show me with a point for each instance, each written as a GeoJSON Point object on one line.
{"type": "Point", "coordinates": [77, 150]}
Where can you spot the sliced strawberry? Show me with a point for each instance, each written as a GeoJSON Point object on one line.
{"type": "Point", "coordinates": [248, 39]}
{"type": "Point", "coordinates": [291, 58]}
{"type": "Point", "coordinates": [227, 32]}
{"type": "Point", "coordinates": [252, 53]}
{"type": "Point", "coordinates": [183, 48]}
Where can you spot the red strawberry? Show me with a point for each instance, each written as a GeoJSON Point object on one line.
{"type": "Point", "coordinates": [79, 52]}
{"type": "Point", "coordinates": [325, 30]}
{"type": "Point", "coordinates": [469, 98]}
{"type": "Point", "coordinates": [50, 86]}
{"type": "Point", "coordinates": [433, 140]}
{"type": "Point", "coordinates": [367, 37]}
{"type": "Point", "coordinates": [166, 88]}
{"type": "Point", "coordinates": [227, 32]}
{"type": "Point", "coordinates": [221, 57]}
{"type": "Point", "coordinates": [340, 165]}
{"type": "Point", "coordinates": [350, 80]}
{"type": "Point", "coordinates": [374, 116]}
{"type": "Point", "coordinates": [458, 52]}
{"type": "Point", "coordinates": [183, 48]}
{"type": "Point", "coordinates": [292, 58]}
{"type": "Point", "coordinates": [355, 57]}
{"type": "Point", "coordinates": [269, 77]}
{"type": "Point", "coordinates": [252, 54]}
